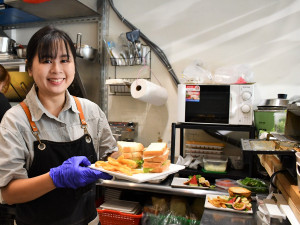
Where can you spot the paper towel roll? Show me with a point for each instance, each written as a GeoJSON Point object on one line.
{"type": "Point", "coordinates": [149, 92]}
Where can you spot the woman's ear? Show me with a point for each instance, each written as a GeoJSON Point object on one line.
{"type": "Point", "coordinates": [29, 71]}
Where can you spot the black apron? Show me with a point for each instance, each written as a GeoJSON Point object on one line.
{"type": "Point", "coordinates": [61, 206]}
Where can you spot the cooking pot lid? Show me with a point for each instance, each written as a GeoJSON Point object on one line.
{"type": "Point", "coordinates": [275, 108]}
{"type": "Point", "coordinates": [275, 102]}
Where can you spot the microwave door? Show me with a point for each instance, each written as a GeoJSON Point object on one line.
{"type": "Point", "coordinates": [212, 107]}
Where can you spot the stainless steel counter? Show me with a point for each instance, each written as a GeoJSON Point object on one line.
{"type": "Point", "coordinates": [209, 217]}
{"type": "Point", "coordinates": [163, 188]}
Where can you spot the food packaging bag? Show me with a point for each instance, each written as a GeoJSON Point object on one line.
{"type": "Point", "coordinates": [149, 92]}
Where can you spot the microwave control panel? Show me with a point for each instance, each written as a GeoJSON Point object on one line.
{"type": "Point", "coordinates": [241, 108]}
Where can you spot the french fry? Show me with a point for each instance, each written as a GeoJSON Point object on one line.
{"type": "Point", "coordinates": [130, 163]}
{"type": "Point", "coordinates": [121, 165]}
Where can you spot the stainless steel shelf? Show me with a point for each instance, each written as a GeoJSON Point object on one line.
{"type": "Point", "coordinates": [13, 64]}
{"type": "Point", "coordinates": [52, 22]}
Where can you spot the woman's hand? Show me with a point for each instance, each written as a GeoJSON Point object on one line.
{"type": "Point", "coordinates": [74, 173]}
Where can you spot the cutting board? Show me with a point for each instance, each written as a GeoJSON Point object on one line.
{"type": "Point", "coordinates": [284, 183]}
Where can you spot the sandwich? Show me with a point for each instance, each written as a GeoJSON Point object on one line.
{"type": "Point", "coordinates": [155, 158]}
{"type": "Point", "coordinates": [239, 191]}
{"type": "Point", "coordinates": [131, 150]}
{"type": "Point", "coordinates": [240, 198]}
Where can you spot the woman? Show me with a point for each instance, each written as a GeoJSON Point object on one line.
{"type": "Point", "coordinates": [4, 85]}
{"type": "Point", "coordinates": [48, 141]}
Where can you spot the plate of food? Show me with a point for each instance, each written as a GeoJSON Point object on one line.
{"type": "Point", "coordinates": [195, 181]}
{"type": "Point", "coordinates": [238, 200]}
{"type": "Point", "coordinates": [127, 170]}
{"type": "Point", "coordinates": [253, 184]}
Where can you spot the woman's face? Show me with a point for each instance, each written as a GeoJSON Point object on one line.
{"type": "Point", "coordinates": [53, 75]}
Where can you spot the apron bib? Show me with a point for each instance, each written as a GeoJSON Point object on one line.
{"type": "Point", "coordinates": [61, 206]}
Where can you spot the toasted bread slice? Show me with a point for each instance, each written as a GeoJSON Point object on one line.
{"type": "Point", "coordinates": [160, 158]}
{"type": "Point", "coordinates": [129, 147]}
{"type": "Point", "coordinates": [157, 167]}
{"type": "Point", "coordinates": [233, 191]}
{"type": "Point", "coordinates": [155, 149]}
{"type": "Point", "coordinates": [133, 155]}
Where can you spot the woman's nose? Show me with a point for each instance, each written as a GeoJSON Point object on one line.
{"type": "Point", "coordinates": [56, 67]}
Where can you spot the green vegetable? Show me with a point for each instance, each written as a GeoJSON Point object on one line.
{"type": "Point", "coordinates": [253, 182]}
{"type": "Point", "coordinates": [140, 163]}
{"type": "Point", "coordinates": [197, 176]}
{"type": "Point", "coordinates": [147, 170]}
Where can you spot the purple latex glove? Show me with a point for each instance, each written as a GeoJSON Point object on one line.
{"type": "Point", "coordinates": [74, 173]}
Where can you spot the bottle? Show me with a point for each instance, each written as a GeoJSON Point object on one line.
{"type": "Point", "coordinates": [159, 138]}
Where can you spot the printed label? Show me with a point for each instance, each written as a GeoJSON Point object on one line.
{"type": "Point", "coordinates": [192, 93]}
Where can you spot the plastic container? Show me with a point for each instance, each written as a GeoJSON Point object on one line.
{"type": "Point", "coordinates": [225, 183]}
{"type": "Point", "coordinates": [111, 217]}
{"type": "Point", "coordinates": [215, 165]}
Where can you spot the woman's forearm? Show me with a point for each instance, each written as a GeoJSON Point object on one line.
{"type": "Point", "coordinates": [24, 190]}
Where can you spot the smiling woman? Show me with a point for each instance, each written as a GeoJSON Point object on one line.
{"type": "Point", "coordinates": [52, 66]}
{"type": "Point", "coordinates": [51, 138]}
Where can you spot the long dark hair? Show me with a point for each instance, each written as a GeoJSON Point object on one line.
{"type": "Point", "coordinates": [45, 42]}
{"type": "Point", "coordinates": [4, 77]}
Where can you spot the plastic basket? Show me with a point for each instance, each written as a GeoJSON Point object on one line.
{"type": "Point", "coordinates": [111, 217]}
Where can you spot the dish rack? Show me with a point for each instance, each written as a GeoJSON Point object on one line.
{"type": "Point", "coordinates": [112, 217]}
{"type": "Point", "coordinates": [129, 73]}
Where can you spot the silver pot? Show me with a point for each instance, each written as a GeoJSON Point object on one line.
{"type": "Point", "coordinates": [21, 52]}
{"type": "Point", "coordinates": [87, 52]}
{"type": "Point", "coordinates": [84, 51]}
{"type": "Point", "coordinates": [274, 104]}
{"type": "Point", "coordinates": [6, 45]}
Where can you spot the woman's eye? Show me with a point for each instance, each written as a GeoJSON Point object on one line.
{"type": "Point", "coordinates": [65, 60]}
{"type": "Point", "coordinates": [47, 61]}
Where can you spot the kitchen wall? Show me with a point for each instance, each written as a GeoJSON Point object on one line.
{"type": "Point", "coordinates": [264, 34]}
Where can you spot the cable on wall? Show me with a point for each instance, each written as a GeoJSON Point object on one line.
{"type": "Point", "coordinates": [159, 53]}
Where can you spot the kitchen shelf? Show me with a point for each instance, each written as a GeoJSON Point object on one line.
{"type": "Point", "coordinates": [13, 64]}
{"type": "Point", "coordinates": [129, 73]}
{"type": "Point", "coordinates": [182, 126]}
{"type": "Point", "coordinates": [19, 14]}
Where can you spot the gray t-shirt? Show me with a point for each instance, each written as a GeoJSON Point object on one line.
{"type": "Point", "coordinates": [16, 137]}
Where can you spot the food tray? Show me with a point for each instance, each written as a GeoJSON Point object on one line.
{"type": "Point", "coordinates": [122, 206]}
{"type": "Point", "coordinates": [225, 183]}
{"type": "Point", "coordinates": [112, 217]}
{"type": "Point", "coordinates": [141, 177]}
{"type": "Point", "coordinates": [178, 183]}
{"type": "Point", "coordinates": [204, 145]}
{"type": "Point", "coordinates": [210, 206]}
{"type": "Point", "coordinates": [203, 151]}
{"type": "Point", "coordinates": [267, 147]}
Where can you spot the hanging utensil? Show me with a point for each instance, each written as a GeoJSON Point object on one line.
{"type": "Point", "coordinates": [133, 36]}
{"type": "Point", "coordinates": [78, 44]}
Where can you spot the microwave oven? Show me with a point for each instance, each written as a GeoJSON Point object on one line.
{"type": "Point", "coordinates": [216, 104]}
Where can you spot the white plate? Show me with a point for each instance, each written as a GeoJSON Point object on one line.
{"type": "Point", "coordinates": [141, 177]}
{"type": "Point", "coordinates": [210, 206]}
{"type": "Point", "coordinates": [178, 182]}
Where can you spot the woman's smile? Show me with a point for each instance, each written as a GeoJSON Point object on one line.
{"type": "Point", "coordinates": [56, 81]}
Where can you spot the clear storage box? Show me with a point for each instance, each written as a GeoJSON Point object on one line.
{"type": "Point", "coordinates": [215, 165]}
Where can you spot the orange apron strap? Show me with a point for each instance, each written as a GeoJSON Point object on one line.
{"type": "Point", "coordinates": [82, 120]}
{"type": "Point", "coordinates": [28, 114]}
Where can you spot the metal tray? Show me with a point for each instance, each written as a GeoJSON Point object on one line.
{"type": "Point", "coordinates": [269, 147]}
